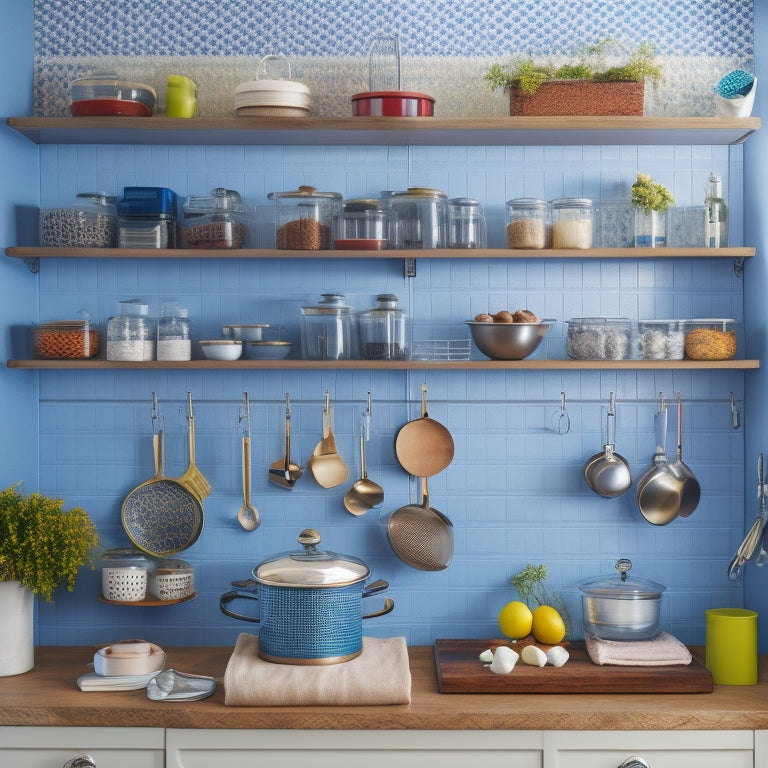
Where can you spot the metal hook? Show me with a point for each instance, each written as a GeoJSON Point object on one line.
{"type": "Point", "coordinates": [662, 402]}
{"type": "Point", "coordinates": [561, 421]}
{"type": "Point", "coordinates": [367, 421]}
{"type": "Point", "coordinates": [735, 415]}
{"type": "Point", "coordinates": [287, 405]}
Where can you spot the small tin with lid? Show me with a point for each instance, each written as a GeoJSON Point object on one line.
{"type": "Point", "coordinates": [90, 221]}
{"type": "Point", "coordinates": [304, 218]}
{"type": "Point", "coordinates": [528, 223]}
{"type": "Point", "coordinates": [362, 225]}
{"type": "Point", "coordinates": [466, 223]}
{"type": "Point", "coordinates": [384, 330]}
{"type": "Point", "coordinates": [328, 329]}
{"type": "Point", "coordinates": [572, 223]}
{"type": "Point", "coordinates": [422, 216]}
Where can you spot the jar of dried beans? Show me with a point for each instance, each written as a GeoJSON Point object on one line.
{"type": "Point", "coordinates": [572, 223]}
{"type": "Point", "coordinates": [527, 223]}
{"type": "Point", "coordinates": [215, 221]}
{"type": "Point", "coordinates": [710, 339]}
{"type": "Point", "coordinates": [304, 218]}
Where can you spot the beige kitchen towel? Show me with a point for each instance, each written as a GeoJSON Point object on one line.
{"type": "Point", "coordinates": [662, 650]}
{"type": "Point", "coordinates": [379, 675]}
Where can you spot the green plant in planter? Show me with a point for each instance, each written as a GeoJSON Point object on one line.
{"type": "Point", "coordinates": [40, 544]}
{"type": "Point", "coordinates": [526, 74]}
{"type": "Point", "coordinates": [650, 195]}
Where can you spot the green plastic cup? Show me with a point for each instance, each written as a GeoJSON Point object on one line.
{"type": "Point", "coordinates": [731, 645]}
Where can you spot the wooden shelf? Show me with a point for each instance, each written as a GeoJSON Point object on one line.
{"type": "Point", "coordinates": [391, 131]}
{"type": "Point", "coordinates": [363, 365]}
{"type": "Point", "coordinates": [31, 252]}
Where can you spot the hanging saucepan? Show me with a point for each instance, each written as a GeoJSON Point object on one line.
{"type": "Point", "coordinates": [607, 472]}
{"type": "Point", "coordinates": [310, 604]}
{"type": "Point", "coordinates": [161, 516]}
{"type": "Point", "coordinates": [424, 446]}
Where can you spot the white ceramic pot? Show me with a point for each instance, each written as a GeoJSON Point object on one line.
{"type": "Point", "coordinates": [17, 641]}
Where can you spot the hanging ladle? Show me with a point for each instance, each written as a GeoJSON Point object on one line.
{"type": "Point", "coordinates": [284, 472]}
{"type": "Point", "coordinates": [690, 492]}
{"type": "Point", "coordinates": [607, 473]}
{"type": "Point", "coordinates": [248, 516]}
{"type": "Point", "coordinates": [364, 493]}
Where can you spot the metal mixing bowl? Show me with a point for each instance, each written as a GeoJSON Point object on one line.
{"type": "Point", "coordinates": [508, 341]}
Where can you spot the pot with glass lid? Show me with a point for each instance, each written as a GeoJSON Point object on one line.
{"type": "Point", "coordinates": [310, 604]}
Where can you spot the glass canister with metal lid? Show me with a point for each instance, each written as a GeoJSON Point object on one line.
{"type": "Point", "coordinates": [527, 223]}
{"type": "Point", "coordinates": [572, 221]}
{"type": "Point", "coordinates": [214, 221]}
{"type": "Point", "coordinates": [466, 223]}
{"type": "Point", "coordinates": [131, 334]}
{"type": "Point", "coordinates": [90, 221]}
{"type": "Point", "coordinates": [362, 225]}
{"type": "Point", "coordinates": [304, 218]}
{"type": "Point", "coordinates": [384, 330]}
{"type": "Point", "coordinates": [328, 329]}
{"type": "Point", "coordinates": [422, 215]}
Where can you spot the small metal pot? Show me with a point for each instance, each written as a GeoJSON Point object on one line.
{"type": "Point", "coordinates": [621, 607]}
{"type": "Point", "coordinates": [311, 610]}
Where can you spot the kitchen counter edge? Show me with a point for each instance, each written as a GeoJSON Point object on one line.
{"type": "Point", "coordinates": [48, 696]}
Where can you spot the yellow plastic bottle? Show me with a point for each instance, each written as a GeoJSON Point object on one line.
{"type": "Point", "coordinates": [181, 97]}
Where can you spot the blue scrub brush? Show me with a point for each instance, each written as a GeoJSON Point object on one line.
{"type": "Point", "coordinates": [737, 83]}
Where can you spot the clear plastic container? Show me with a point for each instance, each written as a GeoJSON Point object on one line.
{"type": "Point", "coordinates": [90, 221]}
{"type": "Point", "coordinates": [171, 580]}
{"type": "Point", "coordinates": [131, 334]}
{"type": "Point", "coordinates": [65, 340]}
{"type": "Point", "coordinates": [710, 339]}
{"type": "Point", "coordinates": [528, 223]}
{"type": "Point", "coordinates": [216, 221]}
{"type": "Point", "coordinates": [422, 216]}
{"type": "Point", "coordinates": [599, 338]}
{"type": "Point", "coordinates": [174, 333]}
{"type": "Point", "coordinates": [328, 329]}
{"type": "Point", "coordinates": [661, 339]}
{"type": "Point", "coordinates": [466, 223]}
{"type": "Point", "coordinates": [572, 223]}
{"type": "Point", "coordinates": [124, 575]}
{"type": "Point", "coordinates": [384, 330]}
{"type": "Point", "coordinates": [305, 218]}
{"type": "Point", "coordinates": [362, 225]}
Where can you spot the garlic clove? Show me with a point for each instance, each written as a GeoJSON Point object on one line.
{"type": "Point", "coordinates": [557, 656]}
{"type": "Point", "coordinates": [504, 660]}
{"type": "Point", "coordinates": [534, 656]}
{"type": "Point", "coordinates": [486, 656]}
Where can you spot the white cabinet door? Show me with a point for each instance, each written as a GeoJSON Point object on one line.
{"type": "Point", "coordinates": [660, 749]}
{"type": "Point", "coordinates": [353, 749]}
{"type": "Point", "coordinates": [43, 747]}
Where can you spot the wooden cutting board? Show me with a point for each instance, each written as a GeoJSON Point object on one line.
{"type": "Point", "coordinates": [459, 670]}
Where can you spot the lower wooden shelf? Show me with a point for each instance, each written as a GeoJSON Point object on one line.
{"type": "Point", "coordinates": [363, 365]}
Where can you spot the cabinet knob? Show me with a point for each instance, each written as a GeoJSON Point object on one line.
{"type": "Point", "coordinates": [81, 761]}
{"type": "Point", "coordinates": [635, 762]}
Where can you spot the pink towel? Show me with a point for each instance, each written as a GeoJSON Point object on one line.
{"type": "Point", "coordinates": [379, 675]}
{"type": "Point", "coordinates": [662, 650]}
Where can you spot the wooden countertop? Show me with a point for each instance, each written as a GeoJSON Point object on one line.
{"type": "Point", "coordinates": [48, 696]}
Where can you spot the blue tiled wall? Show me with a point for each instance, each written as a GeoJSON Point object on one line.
{"type": "Point", "coordinates": [515, 491]}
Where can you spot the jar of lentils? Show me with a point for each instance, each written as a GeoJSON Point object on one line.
{"type": "Point", "coordinates": [527, 223]}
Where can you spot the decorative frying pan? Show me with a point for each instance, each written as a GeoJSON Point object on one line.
{"type": "Point", "coordinates": [161, 516]}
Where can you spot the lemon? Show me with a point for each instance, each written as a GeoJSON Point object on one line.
{"type": "Point", "coordinates": [515, 620]}
{"type": "Point", "coordinates": [548, 625]}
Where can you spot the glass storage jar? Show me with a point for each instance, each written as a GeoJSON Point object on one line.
{"type": "Point", "coordinates": [90, 221]}
{"type": "Point", "coordinates": [328, 329]}
{"type": "Point", "coordinates": [131, 334]}
{"type": "Point", "coordinates": [384, 330]}
{"type": "Point", "coordinates": [572, 221]}
{"type": "Point", "coordinates": [174, 333]}
{"type": "Point", "coordinates": [422, 216]}
{"type": "Point", "coordinates": [599, 338]}
{"type": "Point", "coordinates": [124, 575]}
{"type": "Point", "coordinates": [466, 223]}
{"type": "Point", "coordinates": [171, 580]}
{"type": "Point", "coordinates": [215, 221]}
{"type": "Point", "coordinates": [661, 339]}
{"type": "Point", "coordinates": [710, 339]}
{"type": "Point", "coordinates": [362, 225]}
{"type": "Point", "coordinates": [527, 223]}
{"type": "Point", "coordinates": [65, 340]}
{"type": "Point", "coordinates": [304, 218]}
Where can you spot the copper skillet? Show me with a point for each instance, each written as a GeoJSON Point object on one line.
{"type": "Point", "coordinates": [424, 446]}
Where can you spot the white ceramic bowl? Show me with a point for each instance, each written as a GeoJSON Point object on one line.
{"type": "Point", "coordinates": [250, 332]}
{"type": "Point", "coordinates": [267, 350]}
{"type": "Point", "coordinates": [222, 349]}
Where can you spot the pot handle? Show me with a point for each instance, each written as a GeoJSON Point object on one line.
{"type": "Point", "coordinates": [389, 605]}
{"type": "Point", "coordinates": [236, 594]}
{"type": "Point", "coordinates": [372, 589]}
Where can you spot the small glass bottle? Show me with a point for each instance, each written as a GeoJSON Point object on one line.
{"type": "Point", "coordinates": [572, 223]}
{"type": "Point", "coordinates": [527, 223]}
{"type": "Point", "coordinates": [174, 334]}
{"type": "Point", "coordinates": [384, 330]}
{"type": "Point", "coordinates": [717, 218]}
{"type": "Point", "coordinates": [130, 335]}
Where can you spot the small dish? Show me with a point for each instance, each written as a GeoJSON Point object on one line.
{"type": "Point", "coordinates": [252, 332]}
{"type": "Point", "coordinates": [267, 350]}
{"type": "Point", "coordinates": [222, 349]}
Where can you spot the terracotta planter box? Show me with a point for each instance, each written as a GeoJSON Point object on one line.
{"type": "Point", "coordinates": [579, 97]}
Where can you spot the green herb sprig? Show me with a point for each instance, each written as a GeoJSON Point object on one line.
{"type": "Point", "coordinates": [650, 195]}
{"type": "Point", "coordinates": [529, 585]}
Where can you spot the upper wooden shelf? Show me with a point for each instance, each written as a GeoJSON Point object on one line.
{"type": "Point", "coordinates": [32, 252]}
{"type": "Point", "coordinates": [425, 131]}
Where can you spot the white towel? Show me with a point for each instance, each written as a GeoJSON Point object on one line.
{"type": "Point", "coordinates": [662, 650]}
{"type": "Point", "coordinates": [379, 675]}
